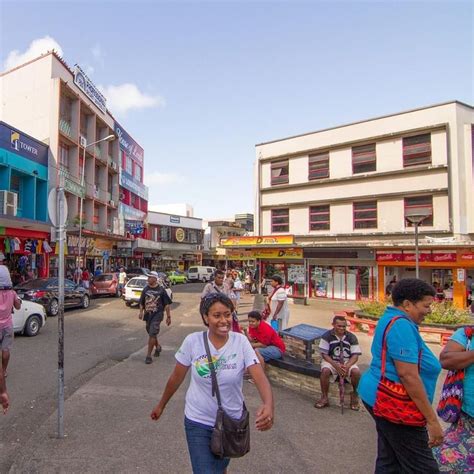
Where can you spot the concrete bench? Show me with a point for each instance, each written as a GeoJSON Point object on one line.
{"type": "Point", "coordinates": [443, 334]}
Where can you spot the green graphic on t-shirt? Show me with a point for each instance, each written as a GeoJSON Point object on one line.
{"type": "Point", "coordinates": [222, 362]}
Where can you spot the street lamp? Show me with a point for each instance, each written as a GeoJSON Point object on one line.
{"type": "Point", "coordinates": [108, 138]}
{"type": "Point", "coordinates": [416, 216]}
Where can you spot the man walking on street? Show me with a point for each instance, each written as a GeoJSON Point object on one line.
{"type": "Point", "coordinates": [122, 278]}
{"type": "Point", "coordinates": [216, 286]}
{"type": "Point", "coordinates": [154, 302]}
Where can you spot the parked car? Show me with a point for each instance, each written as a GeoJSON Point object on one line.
{"type": "Point", "coordinates": [105, 284]}
{"type": "Point", "coordinates": [134, 287]}
{"type": "Point", "coordinates": [29, 319]}
{"type": "Point", "coordinates": [45, 292]}
{"type": "Point", "coordinates": [138, 271]}
{"type": "Point", "coordinates": [177, 277]}
{"type": "Point", "coordinates": [200, 273]}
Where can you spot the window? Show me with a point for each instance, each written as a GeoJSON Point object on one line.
{"type": "Point", "coordinates": [165, 234]}
{"type": "Point", "coordinates": [280, 172]}
{"type": "Point", "coordinates": [319, 217]}
{"type": "Point", "coordinates": [422, 205]}
{"type": "Point", "coordinates": [128, 165]}
{"type": "Point", "coordinates": [365, 215]}
{"type": "Point", "coordinates": [417, 150]}
{"type": "Point", "coordinates": [64, 155]}
{"type": "Point", "coordinates": [280, 220]}
{"type": "Point", "coordinates": [138, 172]}
{"type": "Point", "coordinates": [318, 166]}
{"type": "Point", "coordinates": [363, 159]}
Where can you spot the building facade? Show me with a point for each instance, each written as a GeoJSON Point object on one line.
{"type": "Point", "coordinates": [61, 106]}
{"type": "Point", "coordinates": [24, 228]}
{"type": "Point", "coordinates": [174, 242]}
{"type": "Point", "coordinates": [345, 193]}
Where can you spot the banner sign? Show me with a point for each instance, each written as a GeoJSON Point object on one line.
{"type": "Point", "coordinates": [273, 254]}
{"type": "Point", "coordinates": [423, 256]}
{"type": "Point", "coordinates": [264, 241]}
{"type": "Point", "coordinates": [130, 183]}
{"type": "Point", "coordinates": [130, 213]}
{"type": "Point", "coordinates": [11, 139]}
{"type": "Point", "coordinates": [129, 145]}
{"type": "Point", "coordinates": [87, 86]}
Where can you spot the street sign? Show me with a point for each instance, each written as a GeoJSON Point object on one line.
{"type": "Point", "coordinates": [53, 209]}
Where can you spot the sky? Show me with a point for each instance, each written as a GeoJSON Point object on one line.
{"type": "Point", "coordinates": [199, 84]}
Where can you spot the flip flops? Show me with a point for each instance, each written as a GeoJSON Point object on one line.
{"type": "Point", "coordinates": [321, 404]}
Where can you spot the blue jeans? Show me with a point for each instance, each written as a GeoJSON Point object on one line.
{"type": "Point", "coordinates": [269, 353]}
{"type": "Point", "coordinates": [203, 461]}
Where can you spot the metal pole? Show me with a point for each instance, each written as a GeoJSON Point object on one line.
{"type": "Point", "coordinates": [417, 256]}
{"type": "Point", "coordinates": [61, 237]}
{"type": "Point", "coordinates": [81, 206]}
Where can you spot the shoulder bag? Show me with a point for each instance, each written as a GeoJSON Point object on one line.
{"type": "Point", "coordinates": [230, 437]}
{"type": "Point", "coordinates": [452, 393]}
{"type": "Point", "coordinates": [392, 401]}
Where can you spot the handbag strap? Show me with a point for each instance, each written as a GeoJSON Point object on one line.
{"type": "Point", "coordinates": [215, 385]}
{"type": "Point", "coordinates": [384, 344]}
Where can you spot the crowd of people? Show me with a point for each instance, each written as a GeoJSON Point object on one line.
{"type": "Point", "coordinates": [397, 390]}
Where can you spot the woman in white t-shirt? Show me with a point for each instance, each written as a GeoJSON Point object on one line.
{"type": "Point", "coordinates": [232, 354]}
{"type": "Point", "coordinates": [278, 302]}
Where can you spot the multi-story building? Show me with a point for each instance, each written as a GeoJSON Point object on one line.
{"type": "Point", "coordinates": [24, 228]}
{"type": "Point", "coordinates": [342, 196]}
{"type": "Point", "coordinates": [174, 242]}
{"type": "Point", "coordinates": [245, 220]}
{"type": "Point", "coordinates": [60, 105]}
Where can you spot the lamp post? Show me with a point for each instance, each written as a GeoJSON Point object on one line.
{"type": "Point", "coordinates": [108, 138]}
{"type": "Point", "coordinates": [416, 217]}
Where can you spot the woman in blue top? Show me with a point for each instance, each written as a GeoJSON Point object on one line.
{"type": "Point", "coordinates": [457, 452]}
{"type": "Point", "coordinates": [405, 448]}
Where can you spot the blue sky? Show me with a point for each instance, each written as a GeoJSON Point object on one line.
{"type": "Point", "coordinates": [198, 84]}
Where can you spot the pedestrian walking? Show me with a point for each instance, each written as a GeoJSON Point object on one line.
{"type": "Point", "coordinates": [122, 278]}
{"type": "Point", "coordinates": [399, 386]}
{"type": "Point", "coordinates": [231, 355]}
{"type": "Point", "coordinates": [86, 278]}
{"type": "Point", "coordinates": [278, 303]}
{"type": "Point", "coordinates": [216, 286]}
{"type": "Point", "coordinates": [8, 301]}
{"type": "Point", "coordinates": [154, 303]}
{"type": "Point", "coordinates": [237, 288]}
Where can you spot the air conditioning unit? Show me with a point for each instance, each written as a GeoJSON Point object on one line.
{"type": "Point", "coordinates": [82, 141]}
{"type": "Point", "coordinates": [112, 202]}
{"type": "Point", "coordinates": [8, 203]}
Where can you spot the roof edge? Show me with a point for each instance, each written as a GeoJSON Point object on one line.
{"type": "Point", "coordinates": [366, 120]}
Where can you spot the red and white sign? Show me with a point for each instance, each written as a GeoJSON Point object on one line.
{"type": "Point", "coordinates": [444, 257]}
{"type": "Point", "coordinates": [389, 257]}
{"type": "Point", "coordinates": [467, 256]}
{"type": "Point", "coordinates": [422, 256]}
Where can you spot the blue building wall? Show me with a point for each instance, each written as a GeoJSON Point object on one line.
{"type": "Point", "coordinates": [24, 170]}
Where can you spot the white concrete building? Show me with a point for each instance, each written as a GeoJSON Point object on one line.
{"type": "Point", "coordinates": [344, 193]}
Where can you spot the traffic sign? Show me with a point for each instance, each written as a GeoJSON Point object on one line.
{"type": "Point", "coordinates": [53, 209]}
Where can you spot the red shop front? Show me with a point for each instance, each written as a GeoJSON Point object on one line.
{"type": "Point", "coordinates": [25, 251]}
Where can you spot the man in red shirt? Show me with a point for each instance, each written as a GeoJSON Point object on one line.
{"type": "Point", "coordinates": [264, 339]}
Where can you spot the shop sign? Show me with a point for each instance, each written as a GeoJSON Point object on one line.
{"type": "Point", "coordinates": [87, 86]}
{"type": "Point", "coordinates": [87, 245]}
{"type": "Point", "coordinates": [246, 241]}
{"type": "Point", "coordinates": [130, 213]}
{"type": "Point", "coordinates": [444, 257]}
{"type": "Point", "coordinates": [175, 219]}
{"type": "Point", "coordinates": [130, 183]}
{"type": "Point", "coordinates": [74, 188]}
{"type": "Point", "coordinates": [21, 144]}
{"type": "Point", "coordinates": [422, 256]}
{"type": "Point", "coordinates": [274, 254]}
{"type": "Point", "coordinates": [389, 257]}
{"type": "Point", "coordinates": [180, 235]}
{"type": "Point", "coordinates": [467, 257]}
{"type": "Point", "coordinates": [124, 244]}
{"type": "Point", "coordinates": [128, 144]}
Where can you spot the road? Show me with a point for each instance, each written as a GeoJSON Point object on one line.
{"type": "Point", "coordinates": [95, 339]}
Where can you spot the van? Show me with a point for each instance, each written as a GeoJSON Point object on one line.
{"type": "Point", "coordinates": [200, 273]}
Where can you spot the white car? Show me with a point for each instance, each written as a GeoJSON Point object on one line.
{"type": "Point", "coordinates": [29, 319]}
{"type": "Point", "coordinates": [134, 287]}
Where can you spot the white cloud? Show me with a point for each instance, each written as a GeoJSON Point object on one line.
{"type": "Point", "coordinates": [36, 48]}
{"type": "Point", "coordinates": [125, 97]}
{"type": "Point", "coordinates": [163, 179]}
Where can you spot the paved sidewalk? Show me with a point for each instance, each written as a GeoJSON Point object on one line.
{"type": "Point", "coordinates": [109, 430]}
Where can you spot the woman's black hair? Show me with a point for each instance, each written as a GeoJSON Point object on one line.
{"type": "Point", "coordinates": [411, 289]}
{"type": "Point", "coordinates": [255, 315]}
{"type": "Point", "coordinates": [210, 300]}
{"type": "Point", "coordinates": [278, 279]}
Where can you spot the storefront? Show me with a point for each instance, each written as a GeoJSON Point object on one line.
{"type": "Point", "coordinates": [449, 270]}
{"type": "Point", "coordinates": [25, 251]}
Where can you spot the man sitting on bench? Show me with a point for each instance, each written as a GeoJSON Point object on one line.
{"type": "Point", "coordinates": [340, 351]}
